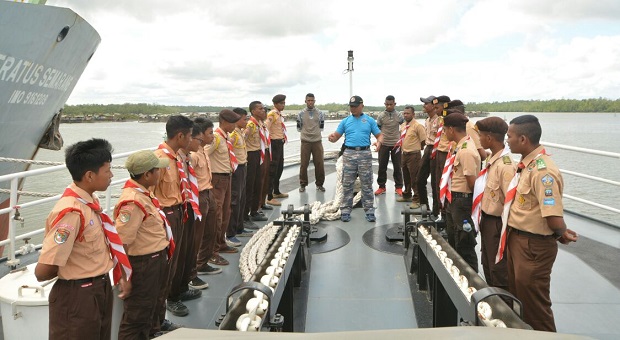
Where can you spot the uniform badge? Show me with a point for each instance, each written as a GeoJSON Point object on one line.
{"type": "Point", "coordinates": [124, 217]}
{"type": "Point", "coordinates": [531, 167]}
{"type": "Point", "coordinates": [540, 163]}
{"type": "Point", "coordinates": [464, 146]}
{"type": "Point", "coordinates": [492, 194]}
{"type": "Point", "coordinates": [364, 120]}
{"type": "Point", "coordinates": [547, 181]}
{"type": "Point", "coordinates": [91, 222]}
{"type": "Point", "coordinates": [521, 199]}
{"type": "Point", "coordinates": [352, 99]}
{"type": "Point", "coordinates": [61, 235]}
{"type": "Point", "coordinates": [548, 192]}
{"type": "Point", "coordinates": [506, 159]}
{"type": "Point", "coordinates": [549, 201]}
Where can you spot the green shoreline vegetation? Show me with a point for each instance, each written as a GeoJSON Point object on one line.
{"type": "Point", "coordinates": [129, 111]}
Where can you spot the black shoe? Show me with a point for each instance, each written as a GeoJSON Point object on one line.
{"type": "Point", "coordinates": [246, 218]}
{"type": "Point", "coordinates": [258, 217]}
{"type": "Point", "coordinates": [250, 225]}
{"type": "Point", "coordinates": [169, 326]}
{"type": "Point", "coordinates": [198, 283]}
{"type": "Point", "coordinates": [177, 308]}
{"type": "Point", "coordinates": [158, 334]}
{"type": "Point", "coordinates": [320, 188]}
{"type": "Point", "coordinates": [208, 270]}
{"type": "Point", "coordinates": [245, 233]}
{"type": "Point", "coordinates": [302, 188]}
{"type": "Point", "coordinates": [267, 207]}
{"type": "Point", "coordinates": [190, 294]}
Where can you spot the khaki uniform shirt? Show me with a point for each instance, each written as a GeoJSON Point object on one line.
{"type": "Point", "coordinates": [414, 137]}
{"type": "Point", "coordinates": [138, 223]}
{"type": "Point", "coordinates": [500, 173]}
{"type": "Point", "coordinates": [252, 136]}
{"type": "Point", "coordinates": [466, 163]}
{"type": "Point", "coordinates": [76, 259]}
{"type": "Point", "coordinates": [431, 125]}
{"type": "Point", "coordinates": [389, 123]}
{"type": "Point", "coordinates": [444, 143]}
{"type": "Point", "coordinates": [168, 188]}
{"type": "Point", "coordinates": [202, 166]}
{"type": "Point", "coordinates": [274, 124]}
{"type": "Point", "coordinates": [218, 154]}
{"type": "Point", "coordinates": [238, 142]}
{"type": "Point", "coordinates": [539, 195]}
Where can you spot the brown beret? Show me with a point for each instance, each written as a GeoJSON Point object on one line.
{"type": "Point", "coordinates": [492, 125]}
{"type": "Point", "coordinates": [278, 98]}
{"type": "Point", "coordinates": [229, 116]}
{"type": "Point", "coordinates": [455, 119]}
{"type": "Point", "coordinates": [441, 99]}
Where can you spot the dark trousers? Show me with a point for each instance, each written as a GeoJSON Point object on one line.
{"type": "Point", "coordinates": [385, 152]}
{"type": "Point", "coordinates": [422, 179]}
{"type": "Point", "coordinates": [490, 231]}
{"type": "Point", "coordinates": [237, 201]}
{"type": "Point", "coordinates": [437, 165]}
{"type": "Point", "coordinates": [146, 280]}
{"type": "Point", "coordinates": [316, 150]}
{"type": "Point", "coordinates": [207, 243]}
{"type": "Point", "coordinates": [276, 167]}
{"type": "Point", "coordinates": [181, 276]}
{"type": "Point", "coordinates": [80, 309]}
{"type": "Point", "coordinates": [529, 262]}
{"type": "Point", "coordinates": [412, 161]}
{"type": "Point", "coordinates": [199, 230]}
{"type": "Point", "coordinates": [464, 242]}
{"type": "Point", "coordinates": [175, 218]}
{"type": "Point", "coordinates": [221, 194]}
{"type": "Point", "coordinates": [253, 183]}
{"type": "Point", "coordinates": [264, 170]}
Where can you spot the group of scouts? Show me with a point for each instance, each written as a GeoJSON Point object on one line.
{"type": "Point", "coordinates": [186, 202]}
{"type": "Point", "coordinates": [516, 207]}
{"type": "Point", "coordinates": [183, 206]}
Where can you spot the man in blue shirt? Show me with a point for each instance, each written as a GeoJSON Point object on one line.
{"type": "Point", "coordinates": [357, 157]}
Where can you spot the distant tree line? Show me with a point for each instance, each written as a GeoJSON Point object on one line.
{"type": "Point", "coordinates": [554, 105]}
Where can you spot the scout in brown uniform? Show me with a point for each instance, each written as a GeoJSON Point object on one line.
{"type": "Point", "coordinates": [431, 125]}
{"type": "Point", "coordinates": [75, 250]}
{"type": "Point", "coordinates": [237, 199]}
{"type": "Point", "coordinates": [205, 243]}
{"type": "Point", "coordinates": [458, 105]}
{"type": "Point", "coordinates": [143, 232]}
{"type": "Point", "coordinates": [256, 157]}
{"type": "Point", "coordinates": [464, 173]}
{"type": "Point", "coordinates": [222, 169]}
{"type": "Point", "coordinates": [500, 170]}
{"type": "Point", "coordinates": [441, 152]}
{"type": "Point", "coordinates": [172, 201]}
{"type": "Point", "coordinates": [535, 224]}
{"type": "Point", "coordinates": [412, 143]}
{"type": "Point", "coordinates": [277, 134]}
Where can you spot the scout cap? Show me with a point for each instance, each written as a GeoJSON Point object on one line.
{"type": "Point", "coordinates": [441, 99]}
{"type": "Point", "coordinates": [455, 119]}
{"type": "Point", "coordinates": [356, 101]}
{"type": "Point", "coordinates": [142, 161]}
{"type": "Point", "coordinates": [492, 125]}
{"type": "Point", "coordinates": [428, 99]}
{"type": "Point", "coordinates": [229, 116]}
{"type": "Point", "coordinates": [278, 98]}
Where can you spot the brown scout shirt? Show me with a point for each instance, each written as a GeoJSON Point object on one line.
{"type": "Point", "coordinates": [252, 137]}
{"type": "Point", "coordinates": [273, 122]}
{"type": "Point", "coordinates": [168, 188]}
{"type": "Point", "coordinates": [238, 142]}
{"type": "Point", "coordinates": [141, 234]}
{"type": "Point", "coordinates": [218, 154]}
{"type": "Point", "coordinates": [470, 129]}
{"type": "Point", "coordinates": [431, 125]}
{"type": "Point", "coordinates": [539, 195]}
{"type": "Point", "coordinates": [202, 166]}
{"type": "Point", "coordinates": [466, 163]}
{"type": "Point", "coordinates": [414, 137]}
{"type": "Point", "coordinates": [75, 259]}
{"type": "Point", "coordinates": [500, 173]}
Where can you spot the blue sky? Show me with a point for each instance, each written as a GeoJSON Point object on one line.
{"type": "Point", "coordinates": [233, 52]}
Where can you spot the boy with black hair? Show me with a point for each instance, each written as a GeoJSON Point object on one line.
{"type": "Point", "coordinates": [75, 249]}
{"type": "Point", "coordinates": [147, 237]}
{"type": "Point", "coordinates": [257, 144]}
{"type": "Point", "coordinates": [277, 134]}
{"type": "Point", "coordinates": [237, 200]}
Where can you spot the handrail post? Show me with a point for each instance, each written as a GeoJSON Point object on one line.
{"type": "Point", "coordinates": [12, 262]}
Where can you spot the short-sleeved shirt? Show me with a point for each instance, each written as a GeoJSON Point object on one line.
{"type": "Point", "coordinates": [539, 194]}
{"type": "Point", "coordinates": [414, 137]}
{"type": "Point", "coordinates": [358, 130]}
{"type": "Point", "coordinates": [431, 125]}
{"type": "Point", "coordinates": [500, 173]}
{"type": "Point", "coordinates": [444, 143]}
{"type": "Point", "coordinates": [252, 136]}
{"type": "Point", "coordinates": [218, 154]}
{"type": "Point", "coordinates": [202, 167]}
{"type": "Point", "coordinates": [389, 123]}
{"type": "Point", "coordinates": [466, 163]}
{"type": "Point", "coordinates": [274, 123]}
{"type": "Point", "coordinates": [76, 259]}
{"type": "Point", "coordinates": [139, 223]}
{"type": "Point", "coordinates": [239, 148]}
{"type": "Point", "coordinates": [168, 188]}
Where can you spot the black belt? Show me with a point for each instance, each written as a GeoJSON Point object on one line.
{"type": "Point", "coordinates": [277, 140]}
{"type": "Point", "coordinates": [222, 174]}
{"type": "Point", "coordinates": [357, 148]}
{"type": "Point", "coordinates": [90, 279]}
{"type": "Point", "coordinates": [410, 152]}
{"type": "Point", "coordinates": [528, 234]}
{"type": "Point", "coordinates": [462, 194]}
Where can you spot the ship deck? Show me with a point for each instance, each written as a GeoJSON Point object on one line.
{"type": "Point", "coordinates": [359, 288]}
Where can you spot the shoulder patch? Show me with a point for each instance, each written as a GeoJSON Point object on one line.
{"type": "Point", "coordinates": [506, 159]}
{"type": "Point", "coordinates": [61, 235]}
{"type": "Point", "coordinates": [464, 146]}
{"type": "Point", "coordinates": [540, 164]}
{"type": "Point", "coordinates": [124, 217]}
{"type": "Point", "coordinates": [547, 181]}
